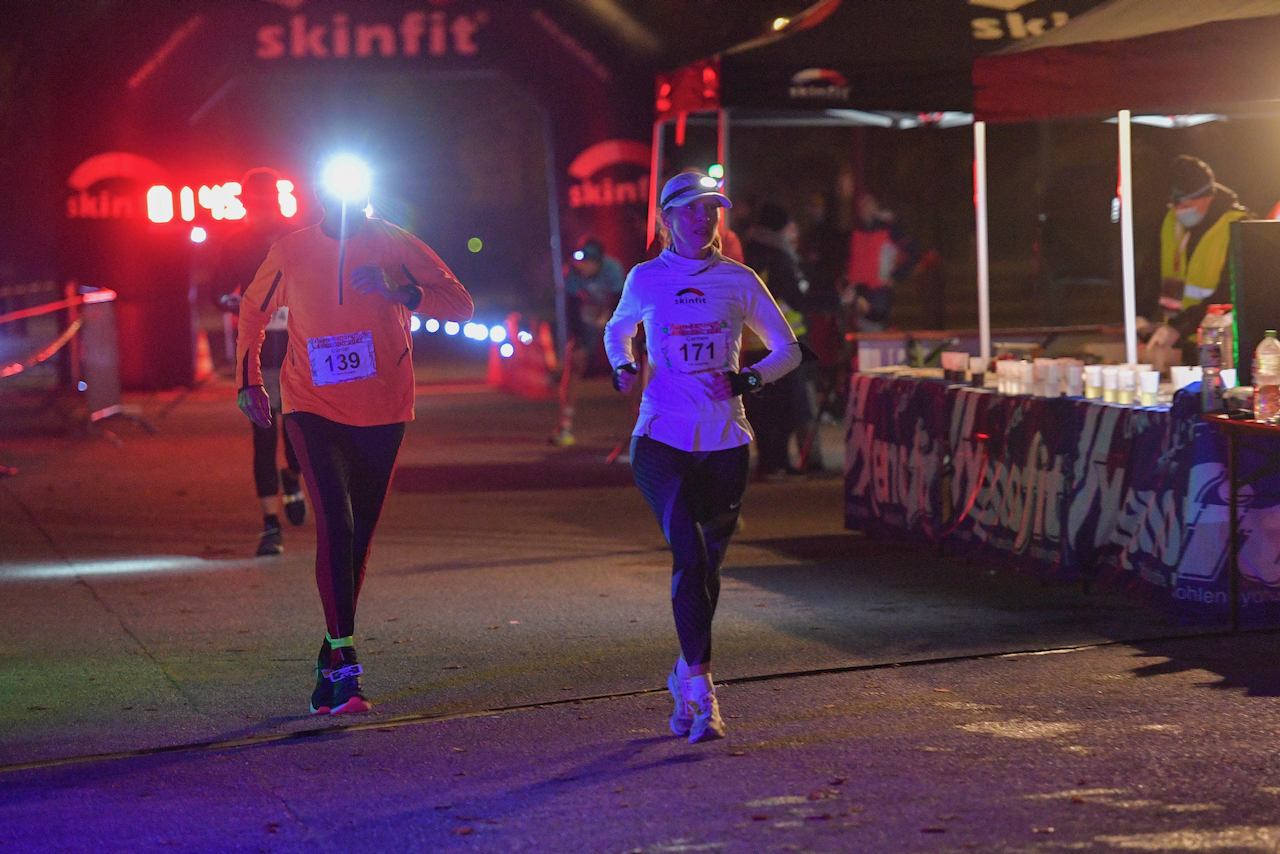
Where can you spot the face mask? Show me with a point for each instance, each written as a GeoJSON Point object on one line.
{"type": "Point", "coordinates": [1189, 217]}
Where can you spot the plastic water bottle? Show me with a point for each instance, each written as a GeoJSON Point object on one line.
{"type": "Point", "coordinates": [1214, 356]}
{"type": "Point", "coordinates": [1266, 379]}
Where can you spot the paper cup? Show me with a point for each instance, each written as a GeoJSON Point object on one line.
{"type": "Point", "coordinates": [1148, 387]}
{"type": "Point", "coordinates": [1093, 381]}
{"type": "Point", "coordinates": [1126, 385]}
{"type": "Point", "coordinates": [1074, 379]}
{"type": "Point", "coordinates": [1110, 383]}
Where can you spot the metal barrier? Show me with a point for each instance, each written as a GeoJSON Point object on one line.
{"type": "Point", "coordinates": [90, 335]}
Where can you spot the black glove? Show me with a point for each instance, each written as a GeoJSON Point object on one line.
{"type": "Point", "coordinates": [629, 367]}
{"type": "Point", "coordinates": [745, 382]}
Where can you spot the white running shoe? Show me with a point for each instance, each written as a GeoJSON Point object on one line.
{"type": "Point", "coordinates": [682, 716]}
{"type": "Point", "coordinates": [707, 724]}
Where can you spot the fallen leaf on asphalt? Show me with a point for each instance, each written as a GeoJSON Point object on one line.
{"type": "Point", "coordinates": [566, 688]}
{"type": "Point", "coordinates": [459, 773]}
{"type": "Point", "coordinates": [403, 640]}
{"type": "Point", "coordinates": [826, 816]}
{"type": "Point", "coordinates": [459, 750]}
{"type": "Point", "coordinates": [1082, 782]}
{"type": "Point", "coordinates": [1042, 830]}
{"type": "Point", "coordinates": [390, 619]}
{"type": "Point", "coordinates": [737, 753]}
{"type": "Point", "coordinates": [829, 706]}
{"type": "Point", "coordinates": [762, 605]}
{"type": "Point", "coordinates": [272, 827]}
{"type": "Point", "coordinates": [817, 796]}
{"type": "Point", "coordinates": [1076, 799]}
{"type": "Point", "coordinates": [839, 781]}
{"type": "Point", "coordinates": [462, 831]}
{"type": "Point", "coordinates": [47, 708]}
{"type": "Point", "coordinates": [943, 690]}
{"type": "Point", "coordinates": [604, 595]}
{"type": "Point", "coordinates": [493, 627]}
{"type": "Point", "coordinates": [455, 667]}
{"type": "Point", "coordinates": [634, 621]}
{"type": "Point", "coordinates": [759, 818]}
{"type": "Point", "coordinates": [514, 622]}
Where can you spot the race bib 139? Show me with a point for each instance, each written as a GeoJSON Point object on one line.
{"type": "Point", "coordinates": [341, 358]}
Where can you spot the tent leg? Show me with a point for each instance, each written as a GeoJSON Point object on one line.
{"type": "Point", "coordinates": [553, 212]}
{"type": "Point", "coordinates": [1126, 238]}
{"type": "Point", "coordinates": [655, 176]}
{"type": "Point", "coordinates": [984, 267]}
{"type": "Point", "coordinates": [722, 146]}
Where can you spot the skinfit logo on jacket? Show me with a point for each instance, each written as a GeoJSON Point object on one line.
{"type": "Point", "coordinates": [691, 296]}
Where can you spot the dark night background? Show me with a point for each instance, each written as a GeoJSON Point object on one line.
{"type": "Point", "coordinates": [465, 158]}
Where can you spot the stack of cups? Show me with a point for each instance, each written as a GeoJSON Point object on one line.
{"type": "Point", "coordinates": [1052, 382]}
{"type": "Point", "coordinates": [1074, 378]}
{"type": "Point", "coordinates": [977, 371]}
{"type": "Point", "coordinates": [1126, 385]}
{"type": "Point", "coordinates": [1092, 381]}
{"type": "Point", "coordinates": [1148, 386]}
{"type": "Point", "coordinates": [1110, 383]}
{"type": "Point", "coordinates": [1027, 382]}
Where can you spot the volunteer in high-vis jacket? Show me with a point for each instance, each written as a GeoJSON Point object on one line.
{"type": "Point", "coordinates": [347, 386]}
{"type": "Point", "coordinates": [689, 448]}
{"type": "Point", "coordinates": [1194, 240]}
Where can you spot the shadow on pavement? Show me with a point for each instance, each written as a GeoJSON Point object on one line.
{"type": "Point", "coordinates": [873, 599]}
{"type": "Point", "coordinates": [1244, 661]}
{"type": "Point", "coordinates": [564, 471]}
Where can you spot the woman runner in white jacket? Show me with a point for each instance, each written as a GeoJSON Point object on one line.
{"type": "Point", "coordinates": [689, 448]}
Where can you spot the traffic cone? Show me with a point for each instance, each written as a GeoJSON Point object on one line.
{"type": "Point", "coordinates": [204, 357]}
{"type": "Point", "coordinates": [493, 376]}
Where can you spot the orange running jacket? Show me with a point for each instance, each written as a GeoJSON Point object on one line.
{"type": "Point", "coordinates": [301, 272]}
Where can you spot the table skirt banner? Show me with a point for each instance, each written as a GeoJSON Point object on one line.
{"type": "Point", "coordinates": [1071, 489]}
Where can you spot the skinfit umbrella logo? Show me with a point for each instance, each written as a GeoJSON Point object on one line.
{"type": "Point", "coordinates": [1017, 23]}
{"type": "Point", "coordinates": [613, 172]}
{"type": "Point", "coordinates": [820, 83]}
{"type": "Point", "coordinates": [691, 296]}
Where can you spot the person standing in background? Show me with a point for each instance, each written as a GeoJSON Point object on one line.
{"type": "Point", "coordinates": [238, 263]}
{"type": "Point", "coordinates": [592, 285]}
{"type": "Point", "coordinates": [880, 258]}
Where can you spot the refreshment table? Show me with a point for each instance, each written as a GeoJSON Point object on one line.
{"type": "Point", "coordinates": [1072, 489]}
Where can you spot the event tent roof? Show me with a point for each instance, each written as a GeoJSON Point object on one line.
{"type": "Point", "coordinates": [868, 55]}
{"type": "Point", "coordinates": [1150, 56]}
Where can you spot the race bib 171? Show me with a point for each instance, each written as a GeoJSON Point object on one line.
{"type": "Point", "coordinates": [692, 348]}
{"type": "Point", "coordinates": [341, 358]}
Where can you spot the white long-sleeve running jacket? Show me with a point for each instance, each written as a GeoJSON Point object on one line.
{"type": "Point", "coordinates": [693, 311]}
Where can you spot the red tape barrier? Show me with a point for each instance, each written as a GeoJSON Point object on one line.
{"type": "Point", "coordinates": [63, 339]}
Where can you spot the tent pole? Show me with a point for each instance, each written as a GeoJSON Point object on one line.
{"type": "Point", "coordinates": [655, 175]}
{"type": "Point", "coordinates": [984, 269]}
{"type": "Point", "coordinates": [722, 145]}
{"type": "Point", "coordinates": [1126, 239]}
{"type": "Point", "coordinates": [553, 213]}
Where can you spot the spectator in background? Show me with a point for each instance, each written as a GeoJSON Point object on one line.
{"type": "Point", "coordinates": [880, 258]}
{"type": "Point", "coordinates": [786, 405]}
{"type": "Point", "coordinates": [238, 263]}
{"type": "Point", "coordinates": [1194, 273]}
{"type": "Point", "coordinates": [592, 285]}
{"type": "Point", "coordinates": [823, 250]}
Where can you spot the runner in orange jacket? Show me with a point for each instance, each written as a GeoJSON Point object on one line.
{"type": "Point", "coordinates": [347, 387]}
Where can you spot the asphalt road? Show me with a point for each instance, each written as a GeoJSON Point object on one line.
{"type": "Point", "coordinates": [516, 631]}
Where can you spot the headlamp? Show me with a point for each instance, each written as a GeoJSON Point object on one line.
{"type": "Point", "coordinates": [347, 178]}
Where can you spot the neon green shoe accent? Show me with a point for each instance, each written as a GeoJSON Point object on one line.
{"type": "Point", "coordinates": [339, 643]}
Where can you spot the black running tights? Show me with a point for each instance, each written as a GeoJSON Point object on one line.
{"type": "Point", "coordinates": [265, 475]}
{"type": "Point", "coordinates": [348, 472]}
{"type": "Point", "coordinates": [696, 496]}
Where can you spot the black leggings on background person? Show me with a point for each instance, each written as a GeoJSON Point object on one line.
{"type": "Point", "coordinates": [265, 475]}
{"type": "Point", "coordinates": [348, 472]}
{"type": "Point", "coordinates": [696, 496]}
